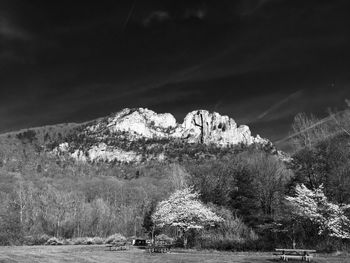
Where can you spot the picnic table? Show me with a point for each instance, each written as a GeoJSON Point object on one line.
{"type": "Point", "coordinates": [158, 248]}
{"type": "Point", "coordinates": [290, 253]}
{"type": "Point", "coordinates": [121, 245]}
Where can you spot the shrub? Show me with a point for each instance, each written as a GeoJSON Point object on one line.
{"type": "Point", "coordinates": [79, 241]}
{"type": "Point", "coordinates": [178, 242]}
{"type": "Point", "coordinates": [115, 238]}
{"type": "Point", "coordinates": [232, 234]}
{"type": "Point", "coordinates": [27, 136]}
{"type": "Point", "coordinates": [90, 241]}
{"type": "Point", "coordinates": [28, 240]}
{"type": "Point", "coordinates": [35, 240]}
{"type": "Point", "coordinates": [42, 239]}
{"type": "Point", "coordinates": [54, 241]}
{"type": "Point", "coordinates": [67, 242]}
{"type": "Point", "coordinates": [97, 240]}
{"type": "Point", "coordinates": [87, 241]}
{"type": "Point", "coordinates": [163, 237]}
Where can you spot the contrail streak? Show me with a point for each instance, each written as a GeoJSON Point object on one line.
{"type": "Point", "coordinates": [306, 129]}
{"type": "Point", "coordinates": [129, 15]}
{"type": "Point", "coordinates": [324, 120]}
{"type": "Point", "coordinates": [279, 104]}
{"type": "Point", "coordinates": [176, 76]}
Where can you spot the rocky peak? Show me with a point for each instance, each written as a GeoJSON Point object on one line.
{"type": "Point", "coordinates": [108, 138]}
{"type": "Point", "coordinates": [199, 126]}
{"type": "Point", "coordinates": [212, 128]}
{"type": "Point", "coordinates": [142, 122]}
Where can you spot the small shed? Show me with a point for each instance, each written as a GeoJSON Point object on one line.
{"type": "Point", "coordinates": [139, 242]}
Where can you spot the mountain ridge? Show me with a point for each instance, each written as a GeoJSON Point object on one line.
{"type": "Point", "coordinates": [133, 135]}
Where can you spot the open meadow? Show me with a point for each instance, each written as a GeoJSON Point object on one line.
{"type": "Point", "coordinates": [89, 254]}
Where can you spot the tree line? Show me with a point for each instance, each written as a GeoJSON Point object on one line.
{"type": "Point", "coordinates": [44, 195]}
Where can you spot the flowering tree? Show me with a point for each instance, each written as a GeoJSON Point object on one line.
{"type": "Point", "coordinates": [184, 210]}
{"type": "Point", "coordinates": [313, 205]}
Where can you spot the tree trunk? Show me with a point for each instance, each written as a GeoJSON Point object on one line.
{"type": "Point", "coordinates": [58, 227]}
{"type": "Point", "coordinates": [293, 238]}
{"type": "Point", "coordinates": [153, 228]}
{"type": "Point", "coordinates": [21, 216]}
{"type": "Point", "coordinates": [185, 239]}
{"type": "Point", "coordinates": [135, 228]}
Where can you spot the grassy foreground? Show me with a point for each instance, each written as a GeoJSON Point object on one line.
{"type": "Point", "coordinates": [84, 254]}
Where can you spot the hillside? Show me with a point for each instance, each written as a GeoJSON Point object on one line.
{"type": "Point", "coordinates": [140, 135]}
{"type": "Point", "coordinates": [106, 176]}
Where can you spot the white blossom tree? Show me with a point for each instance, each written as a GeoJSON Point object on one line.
{"type": "Point", "coordinates": [184, 210]}
{"type": "Point", "coordinates": [314, 205]}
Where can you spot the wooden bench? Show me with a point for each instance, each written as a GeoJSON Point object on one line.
{"type": "Point", "coordinates": [110, 246]}
{"type": "Point", "coordinates": [158, 248]}
{"type": "Point", "coordinates": [117, 246]}
{"type": "Point", "coordinates": [301, 254]}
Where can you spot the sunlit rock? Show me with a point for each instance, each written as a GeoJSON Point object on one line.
{"type": "Point", "coordinates": [128, 135]}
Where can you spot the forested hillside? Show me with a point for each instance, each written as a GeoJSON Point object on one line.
{"type": "Point", "coordinates": [43, 194]}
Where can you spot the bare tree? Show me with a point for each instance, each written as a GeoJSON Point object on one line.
{"type": "Point", "coordinates": [270, 177]}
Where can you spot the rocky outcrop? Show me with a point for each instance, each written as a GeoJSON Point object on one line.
{"type": "Point", "coordinates": [199, 126]}
{"type": "Point", "coordinates": [142, 122]}
{"type": "Point", "coordinates": [102, 137]}
{"type": "Point", "coordinates": [211, 128]}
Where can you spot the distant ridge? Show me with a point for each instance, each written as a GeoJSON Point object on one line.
{"type": "Point", "coordinates": [134, 135]}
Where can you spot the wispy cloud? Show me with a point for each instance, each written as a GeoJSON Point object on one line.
{"type": "Point", "coordinates": [199, 12]}
{"type": "Point", "coordinates": [16, 42]}
{"type": "Point", "coordinates": [10, 31]}
{"type": "Point", "coordinates": [132, 8]}
{"type": "Point", "coordinates": [249, 7]}
{"type": "Point", "coordinates": [156, 17]}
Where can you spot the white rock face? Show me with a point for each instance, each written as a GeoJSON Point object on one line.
{"type": "Point", "coordinates": [199, 126]}
{"type": "Point", "coordinates": [102, 152]}
{"type": "Point", "coordinates": [212, 128]}
{"type": "Point", "coordinates": [143, 122]}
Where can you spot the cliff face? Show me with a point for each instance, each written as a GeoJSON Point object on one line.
{"type": "Point", "coordinates": [114, 138]}
{"type": "Point", "coordinates": [212, 128]}
{"type": "Point", "coordinates": [140, 123]}
{"type": "Point", "coordinates": [199, 126]}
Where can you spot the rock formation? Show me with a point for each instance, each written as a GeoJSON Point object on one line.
{"type": "Point", "coordinates": [211, 128]}
{"type": "Point", "coordinates": [200, 126]}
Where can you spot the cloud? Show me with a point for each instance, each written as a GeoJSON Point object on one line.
{"type": "Point", "coordinates": [161, 16]}
{"type": "Point", "coordinates": [250, 7]}
{"type": "Point", "coordinates": [9, 56]}
{"type": "Point", "coordinates": [199, 13]}
{"type": "Point", "coordinates": [10, 31]}
{"type": "Point", "coordinates": [158, 16]}
{"type": "Point", "coordinates": [16, 43]}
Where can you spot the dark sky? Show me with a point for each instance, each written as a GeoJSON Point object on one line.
{"type": "Point", "coordinates": [258, 61]}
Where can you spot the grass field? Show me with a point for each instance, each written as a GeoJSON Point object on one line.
{"type": "Point", "coordinates": [87, 254]}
